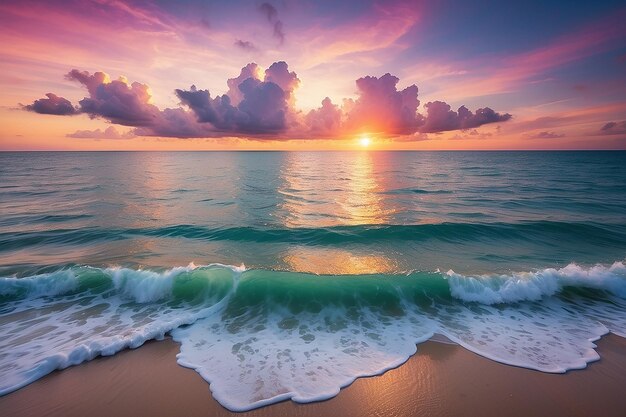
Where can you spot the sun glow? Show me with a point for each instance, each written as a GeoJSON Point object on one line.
{"type": "Point", "coordinates": [365, 141]}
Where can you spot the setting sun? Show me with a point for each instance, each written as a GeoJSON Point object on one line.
{"type": "Point", "coordinates": [365, 141]}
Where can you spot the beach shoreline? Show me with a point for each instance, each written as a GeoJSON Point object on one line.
{"type": "Point", "coordinates": [440, 380]}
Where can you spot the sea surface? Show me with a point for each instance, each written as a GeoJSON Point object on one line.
{"type": "Point", "coordinates": [286, 275]}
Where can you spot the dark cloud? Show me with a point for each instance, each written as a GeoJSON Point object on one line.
{"type": "Point", "coordinates": [245, 45]}
{"type": "Point", "coordinates": [440, 117]}
{"type": "Point", "coordinates": [53, 104]}
{"type": "Point", "coordinates": [266, 105]}
{"type": "Point", "coordinates": [129, 104]}
{"type": "Point", "coordinates": [260, 107]}
{"type": "Point", "coordinates": [271, 14]}
{"type": "Point", "coordinates": [109, 133]}
{"type": "Point", "coordinates": [177, 123]}
{"type": "Point", "coordinates": [262, 110]}
{"type": "Point", "coordinates": [205, 108]}
{"type": "Point", "coordinates": [614, 128]}
{"type": "Point", "coordinates": [547, 135]}
{"type": "Point", "coordinates": [117, 101]}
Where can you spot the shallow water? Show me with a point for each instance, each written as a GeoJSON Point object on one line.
{"type": "Point", "coordinates": [350, 260]}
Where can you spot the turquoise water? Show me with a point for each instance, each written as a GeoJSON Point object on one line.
{"type": "Point", "coordinates": [289, 274]}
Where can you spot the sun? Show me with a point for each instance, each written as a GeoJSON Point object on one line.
{"type": "Point", "coordinates": [365, 141]}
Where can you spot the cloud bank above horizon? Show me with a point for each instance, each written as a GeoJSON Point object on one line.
{"type": "Point", "coordinates": [261, 104]}
{"type": "Point", "coordinates": [353, 69]}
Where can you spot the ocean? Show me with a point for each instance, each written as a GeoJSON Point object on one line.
{"type": "Point", "coordinates": [286, 275]}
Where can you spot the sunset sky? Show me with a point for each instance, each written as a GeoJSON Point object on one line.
{"type": "Point", "coordinates": [295, 74]}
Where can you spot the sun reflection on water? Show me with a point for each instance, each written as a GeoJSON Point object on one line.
{"type": "Point", "coordinates": [336, 261]}
{"type": "Point", "coordinates": [324, 190]}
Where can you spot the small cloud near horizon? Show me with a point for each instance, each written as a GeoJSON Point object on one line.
{"type": "Point", "coordinates": [613, 128]}
{"type": "Point", "coordinates": [546, 135]}
{"type": "Point", "coordinates": [109, 133]}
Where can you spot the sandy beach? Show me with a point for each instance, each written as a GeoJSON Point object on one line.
{"type": "Point", "coordinates": [440, 380]}
{"type": "Point", "coordinates": [273, 208]}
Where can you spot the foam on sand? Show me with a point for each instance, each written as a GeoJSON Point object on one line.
{"type": "Point", "coordinates": [261, 336]}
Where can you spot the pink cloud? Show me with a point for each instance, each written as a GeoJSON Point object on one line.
{"type": "Point", "coordinates": [264, 108]}
{"type": "Point", "coordinates": [613, 128]}
{"type": "Point", "coordinates": [109, 133]}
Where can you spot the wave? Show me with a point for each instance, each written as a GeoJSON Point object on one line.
{"type": "Point", "coordinates": [52, 321]}
{"type": "Point", "coordinates": [141, 286]}
{"type": "Point", "coordinates": [261, 336]}
{"type": "Point", "coordinates": [542, 231]}
{"type": "Point", "coordinates": [145, 286]}
{"type": "Point", "coordinates": [532, 286]}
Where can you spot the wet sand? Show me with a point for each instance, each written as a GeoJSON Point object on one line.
{"type": "Point", "coordinates": [440, 380]}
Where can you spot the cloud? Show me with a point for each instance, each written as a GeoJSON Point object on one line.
{"type": "Point", "coordinates": [380, 107]}
{"type": "Point", "coordinates": [266, 105]}
{"type": "Point", "coordinates": [251, 70]}
{"type": "Point", "coordinates": [109, 133]}
{"type": "Point", "coordinates": [271, 14]}
{"type": "Point", "coordinates": [326, 120]}
{"type": "Point", "coordinates": [177, 123]}
{"type": "Point", "coordinates": [441, 118]}
{"type": "Point", "coordinates": [415, 137]}
{"type": "Point", "coordinates": [118, 101]}
{"type": "Point", "coordinates": [261, 104]}
{"type": "Point", "coordinates": [262, 109]}
{"type": "Point", "coordinates": [129, 104]}
{"type": "Point", "coordinates": [278, 73]}
{"type": "Point", "coordinates": [546, 135]}
{"type": "Point", "coordinates": [614, 128]}
{"type": "Point", "coordinates": [245, 45]}
{"type": "Point", "coordinates": [269, 11]}
{"type": "Point", "coordinates": [472, 134]}
{"type": "Point", "coordinates": [52, 105]}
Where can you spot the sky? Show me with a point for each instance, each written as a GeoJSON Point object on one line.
{"type": "Point", "coordinates": [312, 75]}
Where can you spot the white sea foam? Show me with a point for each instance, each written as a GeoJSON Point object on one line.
{"type": "Point", "coordinates": [145, 286]}
{"type": "Point", "coordinates": [532, 286]}
{"type": "Point", "coordinates": [255, 360]}
{"type": "Point", "coordinates": [41, 334]}
{"type": "Point", "coordinates": [258, 348]}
